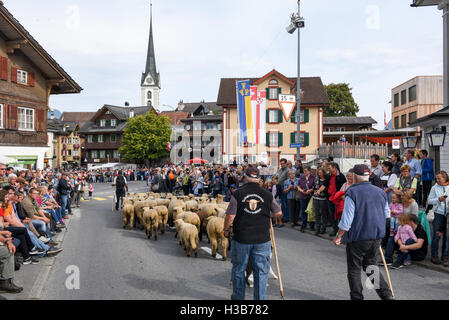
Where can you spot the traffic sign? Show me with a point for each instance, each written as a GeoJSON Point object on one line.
{"type": "Point", "coordinates": [296, 145]}
{"type": "Point", "coordinates": [287, 103]}
{"type": "Point", "coordinates": [396, 143]}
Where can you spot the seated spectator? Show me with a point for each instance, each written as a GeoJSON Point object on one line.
{"type": "Point", "coordinates": [7, 251]}
{"type": "Point", "coordinates": [416, 249]}
{"type": "Point", "coordinates": [37, 216]}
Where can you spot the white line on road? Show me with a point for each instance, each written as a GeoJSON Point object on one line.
{"type": "Point", "coordinates": [209, 252]}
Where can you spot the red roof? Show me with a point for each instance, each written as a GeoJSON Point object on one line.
{"type": "Point", "coordinates": [175, 117]}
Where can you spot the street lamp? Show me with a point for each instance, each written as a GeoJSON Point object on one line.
{"type": "Point", "coordinates": [297, 22]}
{"type": "Point", "coordinates": [409, 142]}
{"type": "Point", "coordinates": [436, 138]}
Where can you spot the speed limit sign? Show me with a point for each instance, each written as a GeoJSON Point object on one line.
{"type": "Point", "coordinates": [396, 143]}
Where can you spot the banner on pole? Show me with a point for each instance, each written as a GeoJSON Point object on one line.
{"type": "Point", "coordinates": [244, 109]}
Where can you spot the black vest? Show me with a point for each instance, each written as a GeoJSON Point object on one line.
{"type": "Point", "coordinates": [252, 221]}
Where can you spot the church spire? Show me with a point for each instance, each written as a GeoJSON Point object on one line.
{"type": "Point", "coordinates": [150, 68]}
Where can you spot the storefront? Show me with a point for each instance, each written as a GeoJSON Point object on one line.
{"type": "Point", "coordinates": [30, 158]}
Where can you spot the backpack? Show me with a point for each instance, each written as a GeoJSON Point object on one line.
{"type": "Point", "coordinates": [120, 183]}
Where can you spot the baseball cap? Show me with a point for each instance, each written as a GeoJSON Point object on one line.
{"type": "Point", "coordinates": [233, 186]}
{"type": "Point", "coordinates": [360, 170]}
{"type": "Point", "coordinates": [313, 167]}
{"type": "Point", "coordinates": [252, 172]}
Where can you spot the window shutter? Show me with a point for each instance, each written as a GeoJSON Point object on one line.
{"type": "Point", "coordinates": [95, 138]}
{"type": "Point", "coordinates": [293, 116]}
{"type": "Point", "coordinates": [292, 138]}
{"type": "Point", "coordinates": [31, 81]}
{"type": "Point", "coordinates": [306, 139]}
{"type": "Point", "coordinates": [108, 123]}
{"type": "Point", "coordinates": [268, 93]}
{"type": "Point", "coordinates": [14, 74]}
{"type": "Point", "coordinates": [279, 90]}
{"type": "Point", "coordinates": [306, 115]}
{"type": "Point", "coordinates": [37, 120]}
{"type": "Point", "coordinates": [90, 154]}
{"type": "Point", "coordinates": [281, 142]}
{"type": "Point", "coordinates": [267, 139]}
{"type": "Point", "coordinates": [13, 115]}
{"type": "Point", "coordinates": [267, 118]}
{"type": "Point", "coordinates": [281, 116]}
{"type": "Point", "coordinates": [4, 66]}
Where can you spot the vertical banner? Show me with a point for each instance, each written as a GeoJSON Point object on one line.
{"type": "Point", "coordinates": [244, 111]}
{"type": "Point", "coordinates": [258, 106]}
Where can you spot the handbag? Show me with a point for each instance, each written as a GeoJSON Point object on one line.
{"type": "Point", "coordinates": [431, 215]}
{"type": "Point", "coordinates": [310, 211]}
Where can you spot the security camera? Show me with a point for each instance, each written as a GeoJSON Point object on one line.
{"type": "Point", "coordinates": [291, 28]}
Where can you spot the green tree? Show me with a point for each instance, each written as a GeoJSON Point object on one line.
{"type": "Point", "coordinates": [145, 138]}
{"type": "Point", "coordinates": [342, 102]}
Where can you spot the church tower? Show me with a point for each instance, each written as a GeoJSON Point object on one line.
{"type": "Point", "coordinates": [150, 83]}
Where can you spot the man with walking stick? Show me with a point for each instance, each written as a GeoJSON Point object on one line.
{"type": "Point", "coordinates": [362, 228]}
{"type": "Point", "coordinates": [249, 212]}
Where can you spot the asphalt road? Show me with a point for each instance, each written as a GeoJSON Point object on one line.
{"type": "Point", "coordinates": [114, 263]}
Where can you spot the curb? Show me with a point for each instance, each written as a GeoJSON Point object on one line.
{"type": "Point", "coordinates": [425, 264]}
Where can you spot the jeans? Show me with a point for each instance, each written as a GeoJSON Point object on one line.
{"type": "Point", "coordinates": [65, 204]}
{"type": "Point", "coordinates": [426, 187]}
{"type": "Point", "coordinates": [294, 207]}
{"type": "Point", "coordinates": [390, 249]}
{"type": "Point", "coordinates": [360, 255]}
{"type": "Point", "coordinates": [36, 242]}
{"type": "Point", "coordinates": [25, 243]}
{"type": "Point", "coordinates": [437, 222]}
{"type": "Point", "coordinates": [284, 206]}
{"type": "Point", "coordinates": [331, 207]}
{"type": "Point", "coordinates": [303, 214]}
{"type": "Point", "coordinates": [402, 256]}
{"type": "Point", "coordinates": [41, 226]}
{"type": "Point", "coordinates": [259, 256]}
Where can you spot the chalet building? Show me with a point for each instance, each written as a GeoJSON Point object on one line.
{"type": "Point", "coordinates": [66, 144]}
{"type": "Point", "coordinates": [28, 76]}
{"type": "Point", "coordinates": [416, 98]}
{"type": "Point", "coordinates": [279, 132]}
{"type": "Point", "coordinates": [103, 133]}
{"type": "Point", "coordinates": [346, 124]}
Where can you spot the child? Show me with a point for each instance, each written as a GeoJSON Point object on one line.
{"type": "Point", "coordinates": [405, 233]}
{"type": "Point", "coordinates": [396, 209]}
{"type": "Point", "coordinates": [91, 189]}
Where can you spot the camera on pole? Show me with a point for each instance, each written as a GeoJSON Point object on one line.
{"type": "Point", "coordinates": [296, 23]}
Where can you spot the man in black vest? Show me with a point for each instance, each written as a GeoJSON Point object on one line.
{"type": "Point", "coordinates": [249, 212]}
{"type": "Point", "coordinates": [121, 187]}
{"type": "Point", "coordinates": [362, 228]}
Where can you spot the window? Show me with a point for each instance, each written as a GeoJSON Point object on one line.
{"type": "Point", "coordinates": [76, 153]}
{"type": "Point", "coordinates": [100, 138]}
{"type": "Point", "coordinates": [273, 116]}
{"type": "Point", "coordinates": [113, 138]}
{"type": "Point", "coordinates": [149, 103]}
{"type": "Point", "coordinates": [102, 123]}
{"type": "Point", "coordinates": [403, 97]}
{"type": "Point", "coordinates": [328, 129]}
{"type": "Point", "coordinates": [149, 95]}
{"type": "Point", "coordinates": [396, 122]}
{"type": "Point", "coordinates": [69, 153]}
{"type": "Point", "coordinates": [403, 121]}
{"type": "Point", "coordinates": [94, 154]}
{"type": "Point", "coordinates": [69, 141]}
{"type": "Point", "coordinates": [75, 140]}
{"type": "Point", "coordinates": [116, 154]}
{"type": "Point", "coordinates": [113, 122]}
{"type": "Point", "coordinates": [273, 93]}
{"type": "Point", "coordinates": [26, 119]}
{"type": "Point", "coordinates": [1, 116]}
{"type": "Point", "coordinates": [22, 77]}
{"type": "Point", "coordinates": [273, 82]}
{"type": "Point", "coordinates": [412, 94]}
{"type": "Point", "coordinates": [293, 137]}
{"type": "Point", "coordinates": [274, 139]}
{"type": "Point", "coordinates": [89, 138]}
{"type": "Point", "coordinates": [102, 154]}
{"type": "Point", "coordinates": [396, 100]}
{"type": "Point", "coordinates": [412, 116]}
{"type": "Point", "coordinates": [340, 129]}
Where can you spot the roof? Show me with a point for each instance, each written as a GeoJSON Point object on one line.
{"type": "Point", "coordinates": [348, 120]}
{"type": "Point", "coordinates": [372, 132]}
{"type": "Point", "coordinates": [175, 117]}
{"type": "Point", "coordinates": [442, 113]}
{"type": "Point", "coordinates": [57, 126]}
{"type": "Point", "coordinates": [79, 117]}
{"type": "Point", "coordinates": [314, 91]}
{"type": "Point", "coordinates": [150, 67]}
{"type": "Point", "coordinates": [193, 106]}
{"type": "Point", "coordinates": [206, 117]}
{"type": "Point", "coordinates": [419, 3]}
{"type": "Point", "coordinates": [19, 38]}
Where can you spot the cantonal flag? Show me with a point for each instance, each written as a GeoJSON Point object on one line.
{"type": "Point", "coordinates": [258, 106]}
{"type": "Point", "coordinates": [244, 108]}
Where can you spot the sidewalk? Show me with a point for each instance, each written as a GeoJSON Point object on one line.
{"type": "Point", "coordinates": [426, 263]}
{"type": "Point", "coordinates": [33, 277]}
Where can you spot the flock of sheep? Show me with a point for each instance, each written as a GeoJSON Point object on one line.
{"type": "Point", "coordinates": [191, 215]}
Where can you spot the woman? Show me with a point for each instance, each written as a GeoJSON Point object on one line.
{"type": "Point", "coordinates": [305, 187]}
{"type": "Point", "coordinates": [405, 183]}
{"type": "Point", "coordinates": [320, 201]}
{"type": "Point", "coordinates": [438, 197]}
{"type": "Point", "coordinates": [290, 186]}
{"type": "Point", "coordinates": [276, 191]}
{"type": "Point", "coordinates": [397, 164]}
{"type": "Point", "coordinates": [388, 179]}
{"type": "Point", "coordinates": [410, 205]}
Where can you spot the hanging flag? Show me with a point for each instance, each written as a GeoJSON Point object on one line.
{"type": "Point", "coordinates": [385, 120]}
{"type": "Point", "coordinates": [258, 104]}
{"type": "Point", "coordinates": [244, 108]}
{"type": "Point", "coordinates": [169, 146]}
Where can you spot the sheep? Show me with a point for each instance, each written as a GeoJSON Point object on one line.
{"type": "Point", "coordinates": [221, 213]}
{"type": "Point", "coordinates": [191, 205]}
{"type": "Point", "coordinates": [215, 227]}
{"type": "Point", "coordinates": [188, 236]}
{"type": "Point", "coordinates": [204, 212]}
{"type": "Point", "coordinates": [128, 216]}
{"type": "Point", "coordinates": [162, 202]}
{"type": "Point", "coordinates": [173, 204]}
{"type": "Point", "coordinates": [201, 201]}
{"type": "Point", "coordinates": [223, 205]}
{"type": "Point", "coordinates": [163, 217]}
{"type": "Point", "coordinates": [151, 222]}
{"type": "Point", "coordinates": [190, 217]}
{"type": "Point", "coordinates": [220, 198]}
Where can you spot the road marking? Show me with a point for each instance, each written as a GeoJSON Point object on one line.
{"type": "Point", "coordinates": [209, 252]}
{"type": "Point", "coordinates": [100, 199]}
{"type": "Point", "coordinates": [82, 200]}
{"type": "Point", "coordinates": [36, 290]}
{"type": "Point", "coordinates": [111, 197]}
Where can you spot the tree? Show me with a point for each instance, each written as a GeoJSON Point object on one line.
{"type": "Point", "coordinates": [342, 102]}
{"type": "Point", "coordinates": [145, 138]}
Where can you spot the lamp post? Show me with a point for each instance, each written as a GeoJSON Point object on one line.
{"type": "Point", "coordinates": [297, 22]}
{"type": "Point", "coordinates": [436, 139]}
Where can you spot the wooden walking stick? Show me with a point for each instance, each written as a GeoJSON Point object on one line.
{"type": "Point", "coordinates": [386, 271]}
{"type": "Point", "coordinates": [276, 259]}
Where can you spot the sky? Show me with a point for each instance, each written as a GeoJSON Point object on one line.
{"type": "Point", "coordinates": [373, 45]}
